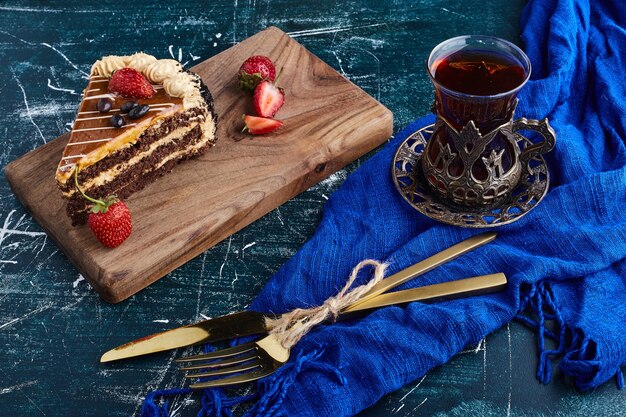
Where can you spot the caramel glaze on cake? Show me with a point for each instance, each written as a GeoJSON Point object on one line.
{"type": "Point", "coordinates": [123, 160]}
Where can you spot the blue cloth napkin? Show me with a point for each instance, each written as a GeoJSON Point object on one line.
{"type": "Point", "coordinates": [566, 260]}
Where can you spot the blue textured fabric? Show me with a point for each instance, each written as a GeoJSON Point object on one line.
{"type": "Point", "coordinates": [566, 260]}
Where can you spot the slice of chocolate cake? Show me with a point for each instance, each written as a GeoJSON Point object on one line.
{"type": "Point", "coordinates": [121, 142]}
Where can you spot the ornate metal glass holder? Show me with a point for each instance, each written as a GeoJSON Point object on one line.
{"type": "Point", "coordinates": [474, 169]}
{"type": "Point", "coordinates": [522, 196]}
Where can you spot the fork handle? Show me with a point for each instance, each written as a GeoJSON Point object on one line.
{"type": "Point", "coordinates": [483, 284]}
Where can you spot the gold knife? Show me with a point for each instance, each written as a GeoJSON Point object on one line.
{"type": "Point", "coordinates": [243, 323]}
{"type": "Point", "coordinates": [250, 322]}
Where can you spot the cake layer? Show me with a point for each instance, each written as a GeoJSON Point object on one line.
{"type": "Point", "coordinates": [161, 132]}
{"type": "Point", "coordinates": [161, 158]}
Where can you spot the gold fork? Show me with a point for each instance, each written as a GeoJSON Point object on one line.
{"type": "Point", "coordinates": [246, 323]}
{"type": "Point", "coordinates": [251, 361]}
{"type": "Point", "coordinates": [258, 359]}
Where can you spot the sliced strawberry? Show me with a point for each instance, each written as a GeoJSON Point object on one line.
{"type": "Point", "coordinates": [260, 125]}
{"type": "Point", "coordinates": [268, 99]}
{"type": "Point", "coordinates": [130, 83]}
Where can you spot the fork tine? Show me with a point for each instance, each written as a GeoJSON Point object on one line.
{"type": "Point", "coordinates": [221, 363]}
{"type": "Point", "coordinates": [226, 370]}
{"type": "Point", "coordinates": [223, 353]}
{"type": "Point", "coordinates": [234, 380]}
{"type": "Point", "coordinates": [270, 355]}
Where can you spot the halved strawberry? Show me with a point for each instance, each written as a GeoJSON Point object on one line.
{"type": "Point", "coordinates": [130, 83]}
{"type": "Point", "coordinates": [268, 99]}
{"type": "Point", "coordinates": [260, 125]}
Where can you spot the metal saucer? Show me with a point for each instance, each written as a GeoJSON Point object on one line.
{"type": "Point", "coordinates": [408, 178]}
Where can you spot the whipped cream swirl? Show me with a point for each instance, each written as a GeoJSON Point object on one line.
{"type": "Point", "coordinates": [104, 67]}
{"type": "Point", "coordinates": [140, 61]}
{"type": "Point", "coordinates": [180, 85]}
{"type": "Point", "coordinates": [160, 70]}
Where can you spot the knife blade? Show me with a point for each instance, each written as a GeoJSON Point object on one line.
{"type": "Point", "coordinates": [234, 325]}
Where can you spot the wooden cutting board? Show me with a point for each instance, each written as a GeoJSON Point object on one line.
{"type": "Point", "coordinates": [329, 122]}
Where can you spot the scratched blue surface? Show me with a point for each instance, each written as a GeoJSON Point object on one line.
{"type": "Point", "coordinates": [53, 327]}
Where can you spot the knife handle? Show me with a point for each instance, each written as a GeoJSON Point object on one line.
{"type": "Point", "coordinates": [483, 284]}
{"type": "Point", "coordinates": [426, 265]}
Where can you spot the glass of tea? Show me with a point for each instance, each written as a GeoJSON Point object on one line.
{"type": "Point", "coordinates": [473, 157]}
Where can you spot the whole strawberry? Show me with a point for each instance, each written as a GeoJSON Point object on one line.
{"type": "Point", "coordinates": [130, 83]}
{"type": "Point", "coordinates": [254, 70]}
{"type": "Point", "coordinates": [111, 222]}
{"type": "Point", "coordinates": [109, 218]}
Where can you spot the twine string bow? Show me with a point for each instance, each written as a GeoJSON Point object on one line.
{"type": "Point", "coordinates": [290, 327]}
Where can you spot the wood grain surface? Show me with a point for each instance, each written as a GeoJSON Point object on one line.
{"type": "Point", "coordinates": [329, 122]}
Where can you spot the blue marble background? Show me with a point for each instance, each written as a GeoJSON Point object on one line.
{"type": "Point", "coordinates": [53, 326]}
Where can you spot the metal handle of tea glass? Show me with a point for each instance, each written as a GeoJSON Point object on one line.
{"type": "Point", "coordinates": [544, 129]}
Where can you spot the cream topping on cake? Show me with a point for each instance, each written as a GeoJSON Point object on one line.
{"type": "Point", "coordinates": [168, 72]}
{"type": "Point", "coordinates": [160, 70]}
{"type": "Point", "coordinates": [104, 67]}
{"type": "Point", "coordinates": [181, 85]}
{"type": "Point", "coordinates": [140, 61]}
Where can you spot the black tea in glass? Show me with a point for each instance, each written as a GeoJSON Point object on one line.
{"type": "Point", "coordinates": [479, 73]}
